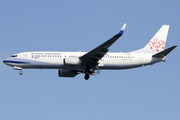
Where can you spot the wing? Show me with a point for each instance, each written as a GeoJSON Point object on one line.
{"type": "Point", "coordinates": [92, 57]}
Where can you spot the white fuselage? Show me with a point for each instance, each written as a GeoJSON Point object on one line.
{"type": "Point", "coordinates": [55, 60]}
{"type": "Point", "coordinates": [89, 63]}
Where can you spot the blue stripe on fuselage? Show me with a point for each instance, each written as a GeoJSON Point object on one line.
{"type": "Point", "coordinates": [10, 61]}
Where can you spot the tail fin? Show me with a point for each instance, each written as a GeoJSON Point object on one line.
{"type": "Point", "coordinates": [157, 42]}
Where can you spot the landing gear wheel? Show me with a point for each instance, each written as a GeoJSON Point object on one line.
{"type": "Point", "coordinates": [20, 72]}
{"type": "Point", "coordinates": [86, 77]}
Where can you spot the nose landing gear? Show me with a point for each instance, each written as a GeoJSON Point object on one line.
{"type": "Point", "coordinates": [21, 72]}
{"type": "Point", "coordinates": [18, 68]}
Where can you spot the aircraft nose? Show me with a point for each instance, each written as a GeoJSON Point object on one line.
{"type": "Point", "coordinates": [4, 61]}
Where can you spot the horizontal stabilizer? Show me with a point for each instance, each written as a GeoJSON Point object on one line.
{"type": "Point", "coordinates": [164, 52]}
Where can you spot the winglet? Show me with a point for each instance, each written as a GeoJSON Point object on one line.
{"type": "Point", "coordinates": [121, 31]}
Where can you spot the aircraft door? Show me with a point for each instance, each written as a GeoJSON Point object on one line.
{"type": "Point", "coordinates": [140, 58]}
{"type": "Point", "coordinates": [26, 56]}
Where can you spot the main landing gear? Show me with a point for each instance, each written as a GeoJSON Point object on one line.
{"type": "Point", "coordinates": [88, 72]}
{"type": "Point", "coordinates": [86, 76]}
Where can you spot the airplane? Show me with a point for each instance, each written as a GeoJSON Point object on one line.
{"type": "Point", "coordinates": [70, 64]}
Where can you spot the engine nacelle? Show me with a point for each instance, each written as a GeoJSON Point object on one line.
{"type": "Point", "coordinates": [67, 73]}
{"type": "Point", "coordinates": [72, 62]}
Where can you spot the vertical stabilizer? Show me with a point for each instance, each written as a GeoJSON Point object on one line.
{"type": "Point", "coordinates": [157, 42]}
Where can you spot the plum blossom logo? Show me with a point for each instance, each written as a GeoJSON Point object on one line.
{"type": "Point", "coordinates": [156, 44]}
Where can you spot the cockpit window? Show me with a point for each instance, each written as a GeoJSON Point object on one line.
{"type": "Point", "coordinates": [14, 56]}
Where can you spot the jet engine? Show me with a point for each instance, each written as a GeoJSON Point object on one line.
{"type": "Point", "coordinates": [67, 73]}
{"type": "Point", "coordinates": [72, 62]}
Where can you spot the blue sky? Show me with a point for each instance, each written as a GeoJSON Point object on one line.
{"type": "Point", "coordinates": [150, 92]}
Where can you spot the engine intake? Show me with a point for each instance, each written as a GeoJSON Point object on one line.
{"type": "Point", "coordinates": [67, 73]}
{"type": "Point", "coordinates": [72, 62]}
